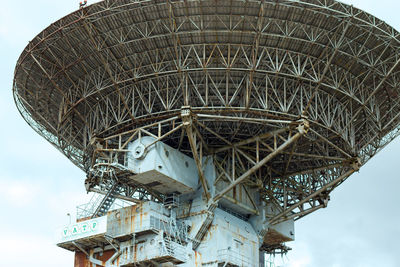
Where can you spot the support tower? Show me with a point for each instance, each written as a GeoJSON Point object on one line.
{"type": "Point", "coordinates": [222, 122]}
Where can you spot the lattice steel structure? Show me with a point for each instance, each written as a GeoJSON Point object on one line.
{"type": "Point", "coordinates": [290, 97]}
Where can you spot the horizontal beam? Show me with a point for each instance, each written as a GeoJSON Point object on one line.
{"type": "Point", "coordinates": [259, 164]}
{"type": "Point", "coordinates": [134, 200]}
{"type": "Point", "coordinates": [253, 139]}
{"type": "Point", "coordinates": [339, 179]}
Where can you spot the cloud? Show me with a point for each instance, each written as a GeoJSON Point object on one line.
{"type": "Point", "coordinates": [20, 248]}
{"type": "Point", "coordinates": [386, 10]}
{"type": "Point", "coordinates": [13, 28]}
{"type": "Point", "coordinates": [302, 258]}
{"type": "Point", "coordinates": [38, 186]}
{"type": "Point", "coordinates": [18, 194]}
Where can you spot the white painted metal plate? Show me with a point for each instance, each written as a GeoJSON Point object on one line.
{"type": "Point", "coordinates": [82, 230]}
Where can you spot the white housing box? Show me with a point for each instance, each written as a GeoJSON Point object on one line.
{"type": "Point", "coordinates": [161, 167]}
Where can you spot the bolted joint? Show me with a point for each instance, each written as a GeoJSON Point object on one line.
{"type": "Point", "coordinates": [303, 126]}
{"type": "Point", "coordinates": [355, 163]}
{"type": "Point", "coordinates": [211, 205]}
{"type": "Point", "coordinates": [186, 111]}
{"type": "Point", "coordinates": [186, 115]}
{"type": "Point", "coordinates": [324, 198]}
{"type": "Point", "coordinates": [89, 182]}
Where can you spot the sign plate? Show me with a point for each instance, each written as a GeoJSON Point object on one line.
{"type": "Point", "coordinates": [83, 229]}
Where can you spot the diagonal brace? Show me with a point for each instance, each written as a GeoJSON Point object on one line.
{"type": "Point", "coordinates": [187, 122]}
{"type": "Point", "coordinates": [302, 129]}
{"type": "Point", "coordinates": [316, 193]}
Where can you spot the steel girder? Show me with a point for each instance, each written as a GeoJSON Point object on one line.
{"type": "Point", "coordinates": [115, 70]}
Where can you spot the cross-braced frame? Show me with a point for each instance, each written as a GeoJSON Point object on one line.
{"type": "Point", "coordinates": [290, 97]}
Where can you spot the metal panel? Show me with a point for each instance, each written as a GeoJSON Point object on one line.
{"type": "Point", "coordinates": [161, 167]}
{"type": "Point", "coordinates": [82, 230]}
{"type": "Point", "coordinates": [241, 105]}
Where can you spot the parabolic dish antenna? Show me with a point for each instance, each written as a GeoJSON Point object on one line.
{"type": "Point", "coordinates": [252, 109]}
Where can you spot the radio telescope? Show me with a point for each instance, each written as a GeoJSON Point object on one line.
{"type": "Point", "coordinates": [222, 121]}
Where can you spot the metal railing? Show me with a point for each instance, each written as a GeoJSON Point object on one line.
{"type": "Point", "coordinates": [235, 258]}
{"type": "Point", "coordinates": [87, 210]}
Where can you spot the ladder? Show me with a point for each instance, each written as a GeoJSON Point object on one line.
{"type": "Point", "coordinates": [204, 226]}
{"type": "Point", "coordinates": [106, 202]}
{"type": "Point", "coordinates": [168, 245]}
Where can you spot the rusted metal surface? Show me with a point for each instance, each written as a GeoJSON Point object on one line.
{"type": "Point", "coordinates": [131, 241]}
{"type": "Point", "coordinates": [269, 104]}
{"type": "Point", "coordinates": [275, 238]}
{"type": "Point", "coordinates": [81, 260]}
{"type": "Point", "coordinates": [113, 71]}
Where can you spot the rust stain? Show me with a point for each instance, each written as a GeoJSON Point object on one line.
{"type": "Point", "coordinates": [133, 216]}
{"type": "Point", "coordinates": [83, 219]}
{"type": "Point", "coordinates": [133, 224]}
{"type": "Point", "coordinates": [82, 261]}
{"type": "Point", "coordinates": [118, 217]}
{"type": "Point", "coordinates": [191, 228]}
{"type": "Point", "coordinates": [211, 231]}
{"type": "Point", "coordinates": [273, 237]}
{"type": "Point", "coordinates": [192, 214]}
{"type": "Point", "coordinates": [197, 259]}
{"type": "Point", "coordinates": [135, 253]}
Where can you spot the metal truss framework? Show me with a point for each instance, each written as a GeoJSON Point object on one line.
{"type": "Point", "coordinates": [255, 162]}
{"type": "Point", "coordinates": [290, 97]}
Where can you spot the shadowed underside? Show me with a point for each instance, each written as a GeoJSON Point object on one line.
{"type": "Point", "coordinates": [301, 93]}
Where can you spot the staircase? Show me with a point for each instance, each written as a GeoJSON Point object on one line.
{"type": "Point", "coordinates": [204, 226]}
{"type": "Point", "coordinates": [107, 202]}
{"type": "Point", "coordinates": [168, 245]}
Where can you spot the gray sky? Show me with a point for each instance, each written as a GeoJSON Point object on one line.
{"type": "Point", "coordinates": [39, 186]}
